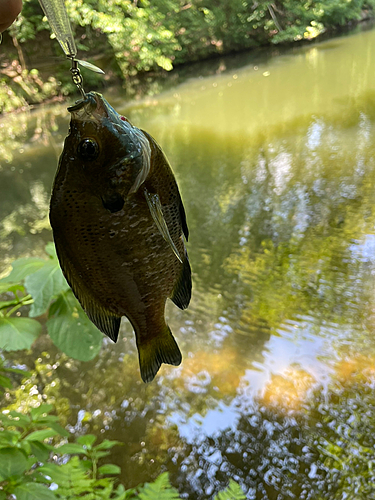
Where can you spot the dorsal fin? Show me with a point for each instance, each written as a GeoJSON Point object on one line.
{"type": "Point", "coordinates": [157, 150]}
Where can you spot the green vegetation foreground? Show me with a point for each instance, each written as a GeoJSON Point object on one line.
{"type": "Point", "coordinates": [141, 36]}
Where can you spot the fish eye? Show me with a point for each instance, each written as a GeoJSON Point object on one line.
{"type": "Point", "coordinates": [88, 149]}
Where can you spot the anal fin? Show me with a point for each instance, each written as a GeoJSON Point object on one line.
{"type": "Point", "coordinates": [153, 352]}
{"type": "Point", "coordinates": [181, 294]}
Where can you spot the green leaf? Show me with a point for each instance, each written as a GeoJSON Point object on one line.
{"type": "Point", "coordinates": [40, 411]}
{"type": "Point", "coordinates": [57, 427]}
{"type": "Point", "coordinates": [86, 465]}
{"type": "Point", "coordinates": [71, 477]}
{"type": "Point", "coordinates": [22, 268]}
{"type": "Point", "coordinates": [17, 414]}
{"type": "Point", "coordinates": [40, 450]}
{"type": "Point", "coordinates": [25, 446]}
{"type": "Point", "coordinates": [43, 285]}
{"type": "Point", "coordinates": [121, 494]}
{"type": "Point", "coordinates": [10, 287]}
{"type": "Point", "coordinates": [12, 462]}
{"type": "Point", "coordinates": [9, 438]}
{"type": "Point", "coordinates": [101, 454]}
{"type": "Point", "coordinates": [41, 435]}
{"type": "Point", "coordinates": [109, 469]}
{"type": "Point", "coordinates": [47, 419]}
{"type": "Point", "coordinates": [57, 473]}
{"type": "Point", "coordinates": [87, 440]}
{"type": "Point", "coordinates": [33, 491]}
{"type": "Point", "coordinates": [51, 249]}
{"type": "Point", "coordinates": [5, 382]}
{"type": "Point", "coordinates": [17, 370]}
{"type": "Point", "coordinates": [31, 461]}
{"type": "Point", "coordinates": [71, 330]}
{"type": "Point", "coordinates": [18, 419]}
{"type": "Point", "coordinates": [107, 444]}
{"type": "Point", "coordinates": [18, 333]}
{"type": "Point", "coordinates": [232, 492]}
{"type": "Point", "coordinates": [160, 489]}
{"type": "Point", "coordinates": [52, 422]}
{"type": "Point", "coordinates": [70, 448]}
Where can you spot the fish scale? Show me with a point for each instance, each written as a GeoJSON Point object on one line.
{"type": "Point", "coordinates": [110, 248]}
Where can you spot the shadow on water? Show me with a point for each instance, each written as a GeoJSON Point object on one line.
{"type": "Point", "coordinates": [276, 169]}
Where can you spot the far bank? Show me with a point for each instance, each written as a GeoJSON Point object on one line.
{"type": "Point", "coordinates": [139, 44]}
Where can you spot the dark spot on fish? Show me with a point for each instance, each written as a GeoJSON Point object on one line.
{"type": "Point", "coordinates": [113, 202]}
{"type": "Point", "coordinates": [88, 149]}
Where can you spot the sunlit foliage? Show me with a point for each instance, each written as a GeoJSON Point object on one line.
{"type": "Point", "coordinates": [45, 289]}
{"type": "Point", "coordinates": [139, 36]}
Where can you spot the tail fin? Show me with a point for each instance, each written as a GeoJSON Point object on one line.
{"type": "Point", "coordinates": [153, 352]}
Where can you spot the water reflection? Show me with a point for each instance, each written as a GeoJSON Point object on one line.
{"type": "Point", "coordinates": [276, 387]}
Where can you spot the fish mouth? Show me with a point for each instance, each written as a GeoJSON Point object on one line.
{"type": "Point", "coordinates": [94, 108]}
{"type": "Point", "coordinates": [86, 105]}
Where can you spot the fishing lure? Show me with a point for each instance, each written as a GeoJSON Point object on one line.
{"type": "Point", "coordinates": [55, 11]}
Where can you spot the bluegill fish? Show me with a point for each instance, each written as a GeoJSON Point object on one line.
{"type": "Point", "coordinates": [119, 224]}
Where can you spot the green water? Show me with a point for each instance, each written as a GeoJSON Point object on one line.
{"type": "Point", "coordinates": [275, 160]}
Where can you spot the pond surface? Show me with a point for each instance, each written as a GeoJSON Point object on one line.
{"type": "Point", "coordinates": [275, 159]}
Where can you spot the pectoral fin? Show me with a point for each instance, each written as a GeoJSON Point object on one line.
{"type": "Point", "coordinates": [156, 210]}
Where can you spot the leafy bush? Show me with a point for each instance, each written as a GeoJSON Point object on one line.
{"type": "Point", "coordinates": [139, 36]}
{"type": "Point", "coordinates": [27, 471]}
{"type": "Point", "coordinates": [40, 284]}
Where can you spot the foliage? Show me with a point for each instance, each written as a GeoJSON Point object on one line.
{"type": "Point", "coordinates": [34, 465]}
{"type": "Point", "coordinates": [5, 372]}
{"type": "Point", "coordinates": [20, 85]}
{"type": "Point", "coordinates": [28, 472]}
{"type": "Point", "coordinates": [39, 283]}
{"type": "Point", "coordinates": [233, 492]}
{"type": "Point", "coordinates": [139, 36]}
{"type": "Point", "coordinates": [161, 488]}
